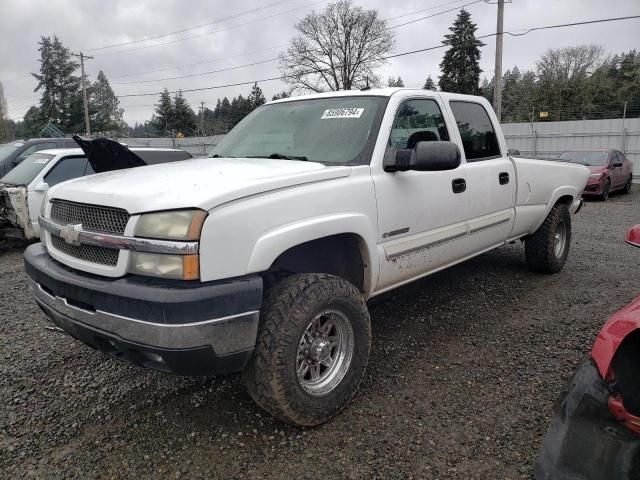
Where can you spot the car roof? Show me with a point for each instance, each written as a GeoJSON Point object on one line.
{"type": "Point", "coordinates": [375, 92]}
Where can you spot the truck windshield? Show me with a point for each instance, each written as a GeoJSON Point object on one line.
{"type": "Point", "coordinates": [26, 171]}
{"type": "Point", "coordinates": [593, 159]}
{"type": "Point", "coordinates": [332, 131]}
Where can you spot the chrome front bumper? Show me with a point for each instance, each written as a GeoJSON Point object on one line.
{"type": "Point", "coordinates": [225, 335]}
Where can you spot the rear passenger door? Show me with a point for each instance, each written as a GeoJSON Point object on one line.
{"type": "Point", "coordinates": [491, 182]}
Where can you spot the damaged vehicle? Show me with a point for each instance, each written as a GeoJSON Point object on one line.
{"type": "Point", "coordinates": [12, 153]}
{"type": "Point", "coordinates": [595, 430]}
{"type": "Point", "coordinates": [23, 189]}
{"type": "Point", "coordinates": [261, 258]}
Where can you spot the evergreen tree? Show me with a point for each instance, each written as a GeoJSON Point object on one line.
{"type": "Point", "coordinates": [282, 94]}
{"type": "Point", "coordinates": [4, 126]}
{"type": "Point", "coordinates": [429, 84]}
{"type": "Point", "coordinates": [486, 89]}
{"type": "Point", "coordinates": [32, 123]}
{"type": "Point", "coordinates": [256, 98]}
{"type": "Point", "coordinates": [60, 88]}
{"type": "Point", "coordinates": [164, 116]}
{"type": "Point", "coordinates": [395, 82]}
{"type": "Point", "coordinates": [184, 120]}
{"type": "Point", "coordinates": [461, 63]}
{"type": "Point", "coordinates": [107, 117]}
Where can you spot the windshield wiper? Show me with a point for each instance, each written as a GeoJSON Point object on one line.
{"type": "Point", "coordinates": [281, 156]}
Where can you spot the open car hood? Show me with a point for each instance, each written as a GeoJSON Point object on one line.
{"type": "Point", "coordinates": [106, 155]}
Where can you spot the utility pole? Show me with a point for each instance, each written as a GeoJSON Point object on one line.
{"type": "Point", "coordinates": [82, 57]}
{"type": "Point", "coordinates": [497, 79]}
{"type": "Point", "coordinates": [202, 132]}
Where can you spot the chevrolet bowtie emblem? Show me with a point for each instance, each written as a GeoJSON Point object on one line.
{"type": "Point", "coordinates": [71, 233]}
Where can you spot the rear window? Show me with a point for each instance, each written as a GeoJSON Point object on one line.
{"type": "Point", "coordinates": [27, 170]}
{"type": "Point", "coordinates": [478, 135]}
{"type": "Point", "coordinates": [153, 157]}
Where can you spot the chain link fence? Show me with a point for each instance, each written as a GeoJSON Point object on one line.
{"type": "Point", "coordinates": [196, 146]}
{"type": "Point", "coordinates": [549, 139]}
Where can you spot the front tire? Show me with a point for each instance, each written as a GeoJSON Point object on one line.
{"type": "Point", "coordinates": [547, 249]}
{"type": "Point", "coordinates": [606, 190]}
{"type": "Point", "coordinates": [312, 349]}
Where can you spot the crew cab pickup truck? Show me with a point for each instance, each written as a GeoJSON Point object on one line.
{"type": "Point", "coordinates": [261, 259]}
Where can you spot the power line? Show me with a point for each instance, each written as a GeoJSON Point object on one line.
{"type": "Point", "coordinates": [210, 33]}
{"type": "Point", "coordinates": [274, 59]}
{"type": "Point", "coordinates": [435, 14]}
{"type": "Point", "coordinates": [218, 20]}
{"type": "Point", "coordinates": [201, 63]}
{"type": "Point", "coordinates": [425, 10]}
{"type": "Point", "coordinates": [411, 52]}
{"type": "Point", "coordinates": [266, 49]}
{"type": "Point", "coordinates": [197, 74]}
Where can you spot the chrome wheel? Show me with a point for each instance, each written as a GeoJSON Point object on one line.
{"type": "Point", "coordinates": [324, 352]}
{"type": "Point", "coordinates": [560, 239]}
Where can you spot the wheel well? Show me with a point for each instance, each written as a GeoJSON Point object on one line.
{"type": "Point", "coordinates": [626, 368]}
{"type": "Point", "coordinates": [342, 255]}
{"type": "Point", "coordinates": [565, 199]}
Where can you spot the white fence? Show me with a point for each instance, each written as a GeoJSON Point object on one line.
{"type": "Point", "coordinates": [539, 139]}
{"type": "Point", "coordinates": [548, 139]}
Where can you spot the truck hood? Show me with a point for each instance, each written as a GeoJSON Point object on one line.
{"type": "Point", "coordinates": [199, 183]}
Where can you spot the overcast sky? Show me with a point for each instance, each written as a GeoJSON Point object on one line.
{"type": "Point", "coordinates": [238, 37]}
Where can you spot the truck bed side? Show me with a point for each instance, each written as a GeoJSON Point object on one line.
{"type": "Point", "coordinates": [540, 184]}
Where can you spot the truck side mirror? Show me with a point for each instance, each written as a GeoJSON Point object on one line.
{"type": "Point", "coordinates": [426, 157]}
{"type": "Point", "coordinates": [41, 187]}
{"type": "Point", "coordinates": [513, 152]}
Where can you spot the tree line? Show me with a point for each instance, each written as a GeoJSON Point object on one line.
{"type": "Point", "coordinates": [61, 97]}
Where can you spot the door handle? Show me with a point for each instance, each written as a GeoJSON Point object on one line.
{"type": "Point", "coordinates": [503, 178]}
{"type": "Point", "coordinates": [458, 185]}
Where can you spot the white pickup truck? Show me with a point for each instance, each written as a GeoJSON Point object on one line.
{"type": "Point", "coordinates": [261, 259]}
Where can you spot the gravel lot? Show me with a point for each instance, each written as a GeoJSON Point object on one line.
{"type": "Point", "coordinates": [465, 367]}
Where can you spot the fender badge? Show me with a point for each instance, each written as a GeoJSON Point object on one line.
{"type": "Point", "coordinates": [393, 233]}
{"type": "Point", "coordinates": [71, 233]}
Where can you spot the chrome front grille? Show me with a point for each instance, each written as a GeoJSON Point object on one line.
{"type": "Point", "coordinates": [92, 217]}
{"type": "Point", "coordinates": [88, 253]}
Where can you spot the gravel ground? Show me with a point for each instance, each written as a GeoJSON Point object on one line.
{"type": "Point", "coordinates": [465, 367]}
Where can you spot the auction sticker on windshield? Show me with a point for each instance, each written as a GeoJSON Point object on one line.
{"type": "Point", "coordinates": [342, 113]}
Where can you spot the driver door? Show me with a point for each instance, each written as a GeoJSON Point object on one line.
{"type": "Point", "coordinates": [421, 215]}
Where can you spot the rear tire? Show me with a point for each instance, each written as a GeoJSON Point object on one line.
{"type": "Point", "coordinates": [312, 349]}
{"type": "Point", "coordinates": [628, 185]}
{"type": "Point", "coordinates": [547, 249]}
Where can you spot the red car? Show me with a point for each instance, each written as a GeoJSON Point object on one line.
{"type": "Point", "coordinates": [595, 431]}
{"type": "Point", "coordinates": [610, 170]}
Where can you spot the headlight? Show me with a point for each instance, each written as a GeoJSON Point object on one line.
{"type": "Point", "coordinates": [183, 267]}
{"type": "Point", "coordinates": [595, 176]}
{"type": "Point", "coordinates": [178, 225]}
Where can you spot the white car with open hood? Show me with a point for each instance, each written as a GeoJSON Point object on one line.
{"type": "Point", "coordinates": [261, 259]}
{"type": "Point", "coordinates": [23, 189]}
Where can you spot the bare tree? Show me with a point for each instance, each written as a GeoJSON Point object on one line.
{"type": "Point", "coordinates": [337, 49]}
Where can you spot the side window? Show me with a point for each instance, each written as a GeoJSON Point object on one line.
{"type": "Point", "coordinates": [417, 121]}
{"type": "Point", "coordinates": [479, 138]}
{"type": "Point", "coordinates": [66, 169]}
{"type": "Point", "coordinates": [619, 158]}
